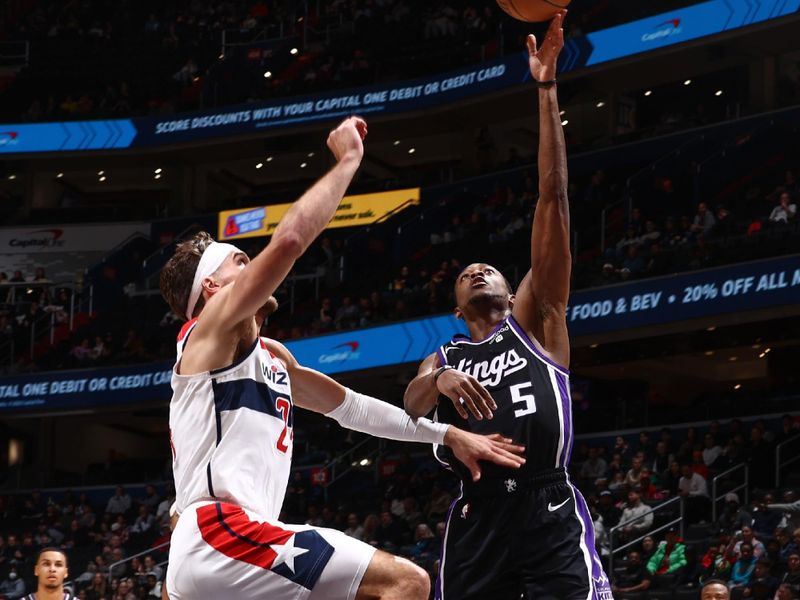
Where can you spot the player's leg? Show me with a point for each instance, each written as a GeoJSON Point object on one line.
{"type": "Point", "coordinates": [393, 578]}
{"type": "Point", "coordinates": [561, 562]}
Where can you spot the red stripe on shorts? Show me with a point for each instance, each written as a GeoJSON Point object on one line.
{"type": "Point", "coordinates": [228, 529]}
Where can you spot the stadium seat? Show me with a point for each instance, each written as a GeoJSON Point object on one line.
{"type": "Point", "coordinates": [659, 595]}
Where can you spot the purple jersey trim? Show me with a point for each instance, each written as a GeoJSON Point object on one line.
{"type": "Point", "coordinates": [531, 346]}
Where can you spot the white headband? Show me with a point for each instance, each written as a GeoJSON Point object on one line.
{"type": "Point", "coordinates": [213, 256]}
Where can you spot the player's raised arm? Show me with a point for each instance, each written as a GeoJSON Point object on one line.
{"type": "Point", "coordinates": [314, 391]}
{"type": "Point", "coordinates": [541, 301]}
{"type": "Point", "coordinates": [301, 225]}
{"type": "Point", "coordinates": [434, 379]}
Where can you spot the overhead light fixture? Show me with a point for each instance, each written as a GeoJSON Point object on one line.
{"type": "Point", "coordinates": [718, 93]}
{"type": "Point", "coordinates": [221, 56]}
{"type": "Point", "coordinates": [157, 176]}
{"type": "Point", "coordinates": [648, 93]}
{"type": "Point", "coordinates": [269, 159]}
{"type": "Point", "coordinates": [303, 165]}
{"type": "Point", "coordinates": [712, 328]}
{"type": "Point", "coordinates": [59, 175]}
{"type": "Point", "coordinates": [412, 150]}
{"type": "Point", "coordinates": [100, 173]}
{"type": "Point", "coordinates": [259, 165]}
{"type": "Point", "coordinates": [565, 122]}
{"type": "Point", "coordinates": [310, 155]}
{"type": "Point", "coordinates": [562, 113]}
{"type": "Point", "coordinates": [102, 178]}
{"type": "Point", "coordinates": [762, 355]}
{"type": "Point", "coordinates": [687, 82]}
{"type": "Point", "coordinates": [738, 386]}
{"type": "Point", "coordinates": [293, 51]}
{"type": "Point", "coordinates": [733, 358]}
{"type": "Point", "coordinates": [396, 143]}
{"type": "Point", "coordinates": [600, 104]}
{"type": "Point", "coordinates": [709, 353]}
{"type": "Point", "coordinates": [12, 176]}
{"type": "Point", "coordinates": [593, 345]}
{"type": "Point", "coordinates": [768, 350]}
{"type": "Point", "coordinates": [267, 74]}
{"type": "Point", "coordinates": [157, 171]}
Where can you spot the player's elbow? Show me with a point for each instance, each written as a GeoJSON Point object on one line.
{"type": "Point", "coordinates": [289, 244]}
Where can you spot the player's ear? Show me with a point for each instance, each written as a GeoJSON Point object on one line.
{"type": "Point", "coordinates": [511, 299]}
{"type": "Point", "coordinates": [458, 313]}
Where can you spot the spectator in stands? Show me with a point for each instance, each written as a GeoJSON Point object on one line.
{"type": "Point", "coordinates": [347, 315]}
{"type": "Point", "coordinates": [670, 481]}
{"type": "Point", "coordinates": [662, 459]}
{"type": "Point", "coordinates": [82, 352]}
{"type": "Point", "coordinates": [608, 510]}
{"type": "Point", "coordinates": [145, 521]}
{"type": "Point", "coordinates": [715, 589]}
{"type": "Point", "coordinates": [743, 568]}
{"type": "Point", "coordinates": [711, 450]}
{"type": "Point", "coordinates": [637, 517]}
{"type": "Point", "coordinates": [354, 528]}
{"type": "Point", "coordinates": [648, 548]}
{"type": "Point", "coordinates": [151, 499]}
{"type": "Point", "coordinates": [746, 537]}
{"type": "Point", "coordinates": [786, 545]}
{"type": "Point", "coordinates": [715, 564]}
{"type": "Point", "coordinates": [785, 592]}
{"type": "Point", "coordinates": [762, 585]}
{"type": "Point", "coordinates": [150, 566]}
{"type": "Point", "coordinates": [13, 586]}
{"type": "Point", "coordinates": [785, 212]}
{"type": "Point", "coordinates": [594, 467]}
{"type": "Point", "coordinates": [670, 556]}
{"type": "Point", "coordinates": [692, 487]}
{"type": "Point", "coordinates": [635, 578]}
{"type": "Point", "coordinates": [765, 522]}
{"type": "Point", "coordinates": [733, 516]}
{"type": "Point", "coordinates": [390, 532]}
{"type": "Point", "coordinates": [120, 503]}
{"type": "Point", "coordinates": [703, 221]}
{"type": "Point", "coordinates": [633, 477]}
{"type": "Point", "coordinates": [791, 577]}
{"type": "Point", "coordinates": [698, 465]}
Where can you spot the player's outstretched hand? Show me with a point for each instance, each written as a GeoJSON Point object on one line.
{"type": "Point", "coordinates": [457, 385]}
{"type": "Point", "coordinates": [347, 140]}
{"type": "Point", "coordinates": [543, 60]}
{"type": "Point", "coordinates": [470, 448]}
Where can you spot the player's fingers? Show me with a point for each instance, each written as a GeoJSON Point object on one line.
{"type": "Point", "coordinates": [474, 469]}
{"type": "Point", "coordinates": [499, 438]}
{"type": "Point", "coordinates": [506, 459]}
{"type": "Point", "coordinates": [515, 448]}
{"type": "Point", "coordinates": [532, 44]}
{"type": "Point", "coordinates": [470, 403]}
{"type": "Point", "coordinates": [479, 395]}
{"type": "Point", "coordinates": [485, 395]}
{"type": "Point", "coordinates": [456, 399]}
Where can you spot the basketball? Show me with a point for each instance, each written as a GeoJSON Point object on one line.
{"type": "Point", "coordinates": [532, 11]}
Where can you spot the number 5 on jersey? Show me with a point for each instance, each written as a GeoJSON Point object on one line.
{"type": "Point", "coordinates": [527, 400]}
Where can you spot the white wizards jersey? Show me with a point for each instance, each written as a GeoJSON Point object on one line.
{"type": "Point", "coordinates": [231, 431]}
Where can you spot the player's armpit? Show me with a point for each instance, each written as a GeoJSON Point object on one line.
{"type": "Point", "coordinates": [422, 394]}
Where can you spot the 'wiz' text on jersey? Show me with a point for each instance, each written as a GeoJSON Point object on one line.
{"type": "Point", "coordinates": [231, 431]}
{"type": "Point", "coordinates": [531, 392]}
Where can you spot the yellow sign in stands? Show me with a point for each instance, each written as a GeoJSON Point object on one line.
{"type": "Point", "coordinates": [364, 209]}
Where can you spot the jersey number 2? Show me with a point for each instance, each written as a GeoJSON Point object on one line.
{"type": "Point", "coordinates": [283, 406]}
{"type": "Point", "coordinates": [517, 397]}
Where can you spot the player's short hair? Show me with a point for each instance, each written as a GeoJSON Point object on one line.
{"type": "Point", "coordinates": [714, 582]}
{"type": "Point", "coordinates": [177, 275]}
{"type": "Point", "coordinates": [52, 549]}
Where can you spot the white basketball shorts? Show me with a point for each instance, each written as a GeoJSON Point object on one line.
{"type": "Point", "coordinates": [220, 550]}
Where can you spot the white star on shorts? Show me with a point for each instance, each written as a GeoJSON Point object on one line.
{"type": "Point", "coordinates": [286, 553]}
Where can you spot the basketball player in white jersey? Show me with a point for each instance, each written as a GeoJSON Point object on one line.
{"type": "Point", "coordinates": [51, 569]}
{"type": "Point", "coordinates": [232, 416]}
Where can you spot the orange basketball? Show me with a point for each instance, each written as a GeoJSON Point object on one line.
{"type": "Point", "coordinates": [532, 11]}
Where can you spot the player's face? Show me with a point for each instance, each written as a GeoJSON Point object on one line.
{"type": "Point", "coordinates": [715, 591]}
{"type": "Point", "coordinates": [51, 570]}
{"type": "Point", "coordinates": [230, 268]}
{"type": "Point", "coordinates": [480, 280]}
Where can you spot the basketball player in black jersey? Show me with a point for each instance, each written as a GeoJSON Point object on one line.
{"type": "Point", "coordinates": [51, 569]}
{"type": "Point", "coordinates": [525, 532]}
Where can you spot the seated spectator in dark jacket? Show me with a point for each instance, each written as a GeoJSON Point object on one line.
{"type": "Point", "coordinates": [635, 578]}
{"type": "Point", "coordinates": [733, 516]}
{"type": "Point", "coordinates": [390, 533]}
{"type": "Point", "coordinates": [762, 585]}
{"type": "Point", "coordinates": [792, 575]}
{"type": "Point", "coordinates": [765, 522]}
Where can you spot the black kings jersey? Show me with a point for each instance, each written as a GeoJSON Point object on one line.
{"type": "Point", "coordinates": [532, 396]}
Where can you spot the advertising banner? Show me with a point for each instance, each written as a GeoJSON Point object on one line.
{"type": "Point", "coordinates": [354, 211]}
{"type": "Point", "coordinates": [726, 290]}
{"type": "Point", "coordinates": [651, 33]}
{"type": "Point", "coordinates": [68, 238]}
